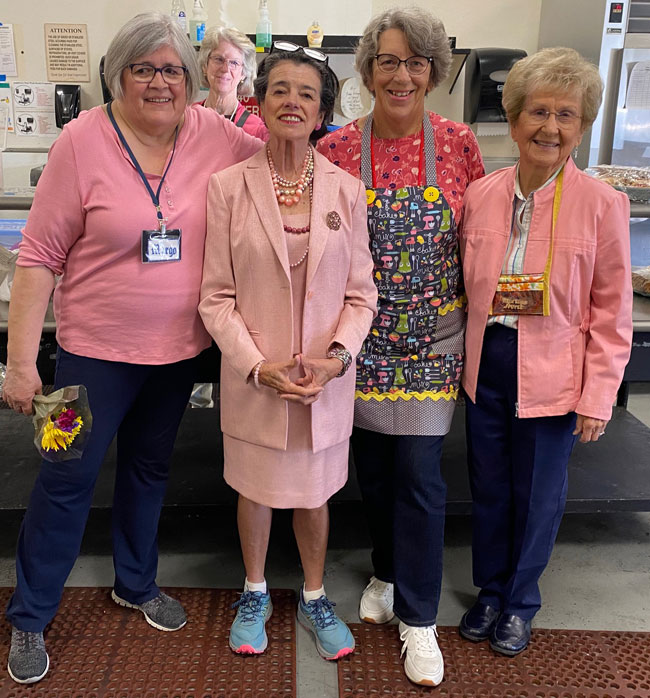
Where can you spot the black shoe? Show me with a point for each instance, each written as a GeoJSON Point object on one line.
{"type": "Point", "coordinates": [511, 635]}
{"type": "Point", "coordinates": [477, 623]}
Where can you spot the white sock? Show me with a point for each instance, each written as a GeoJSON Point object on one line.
{"type": "Point", "coordinates": [312, 595]}
{"type": "Point", "coordinates": [255, 586]}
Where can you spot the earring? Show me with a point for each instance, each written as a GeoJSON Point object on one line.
{"type": "Point", "coordinates": [318, 125]}
{"type": "Point", "coordinates": [575, 152]}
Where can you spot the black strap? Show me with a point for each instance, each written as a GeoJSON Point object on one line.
{"type": "Point", "coordinates": [243, 118]}
{"type": "Point", "coordinates": [155, 198]}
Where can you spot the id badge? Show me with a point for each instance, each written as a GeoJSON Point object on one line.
{"type": "Point", "coordinates": [161, 246]}
{"type": "Point", "coordinates": [520, 294]}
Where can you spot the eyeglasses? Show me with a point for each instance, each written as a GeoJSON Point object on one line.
{"type": "Point", "coordinates": [564, 118]}
{"type": "Point", "coordinates": [415, 65]}
{"type": "Point", "coordinates": [289, 46]}
{"type": "Point", "coordinates": [171, 74]}
{"type": "Point", "coordinates": [220, 61]}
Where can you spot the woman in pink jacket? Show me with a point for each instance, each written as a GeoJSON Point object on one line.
{"type": "Point", "coordinates": [547, 272]}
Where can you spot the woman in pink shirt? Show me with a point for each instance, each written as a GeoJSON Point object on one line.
{"type": "Point", "coordinates": [120, 215]}
{"type": "Point", "coordinates": [546, 262]}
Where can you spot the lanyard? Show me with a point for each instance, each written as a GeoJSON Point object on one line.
{"type": "Point", "coordinates": [420, 163]}
{"type": "Point", "coordinates": [155, 198]}
{"type": "Point", "coordinates": [557, 198]}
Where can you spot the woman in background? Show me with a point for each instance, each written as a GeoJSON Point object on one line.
{"type": "Point", "coordinates": [227, 62]}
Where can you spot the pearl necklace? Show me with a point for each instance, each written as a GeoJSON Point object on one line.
{"type": "Point", "coordinates": [287, 192]}
{"type": "Point", "coordinates": [301, 260]}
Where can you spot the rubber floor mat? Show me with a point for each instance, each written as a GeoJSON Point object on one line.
{"type": "Point", "coordinates": [100, 650]}
{"type": "Point", "coordinates": [557, 664]}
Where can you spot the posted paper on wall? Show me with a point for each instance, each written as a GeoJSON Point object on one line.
{"type": "Point", "coordinates": [34, 109]}
{"type": "Point", "coordinates": [7, 51]}
{"type": "Point", "coordinates": [66, 52]}
{"type": "Point", "coordinates": [6, 112]}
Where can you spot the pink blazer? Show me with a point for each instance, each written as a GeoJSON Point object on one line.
{"type": "Point", "coordinates": [572, 360]}
{"type": "Point", "coordinates": [246, 302]}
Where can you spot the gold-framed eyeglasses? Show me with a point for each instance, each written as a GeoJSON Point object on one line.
{"type": "Point", "coordinates": [219, 61]}
{"type": "Point", "coordinates": [563, 118]}
{"type": "Point", "coordinates": [415, 65]}
{"type": "Point", "coordinates": [171, 74]}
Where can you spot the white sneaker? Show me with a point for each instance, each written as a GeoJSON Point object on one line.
{"type": "Point", "coordinates": [423, 664]}
{"type": "Point", "coordinates": [376, 604]}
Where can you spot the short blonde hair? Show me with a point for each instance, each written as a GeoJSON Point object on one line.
{"type": "Point", "coordinates": [555, 70]}
{"type": "Point", "coordinates": [211, 40]}
{"type": "Point", "coordinates": [425, 35]}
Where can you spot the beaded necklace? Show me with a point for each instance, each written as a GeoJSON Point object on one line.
{"type": "Point", "coordinates": [287, 192]}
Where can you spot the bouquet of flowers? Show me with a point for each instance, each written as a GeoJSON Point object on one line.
{"type": "Point", "coordinates": [62, 422]}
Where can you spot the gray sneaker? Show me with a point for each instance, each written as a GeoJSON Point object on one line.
{"type": "Point", "coordinates": [162, 612]}
{"type": "Point", "coordinates": [28, 660]}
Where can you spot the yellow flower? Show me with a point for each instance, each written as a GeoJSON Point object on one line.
{"type": "Point", "coordinates": [55, 439]}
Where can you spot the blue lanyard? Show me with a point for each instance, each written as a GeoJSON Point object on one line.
{"type": "Point", "coordinates": [155, 198]}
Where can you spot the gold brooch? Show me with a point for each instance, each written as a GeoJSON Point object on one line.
{"type": "Point", "coordinates": [333, 220]}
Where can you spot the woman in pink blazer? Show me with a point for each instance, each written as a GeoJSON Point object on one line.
{"type": "Point", "coordinates": [288, 295]}
{"type": "Point", "coordinates": [546, 262]}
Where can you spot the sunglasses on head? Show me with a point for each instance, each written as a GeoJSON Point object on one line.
{"type": "Point", "coordinates": [291, 47]}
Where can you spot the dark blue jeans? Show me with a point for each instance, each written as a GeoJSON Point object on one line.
{"type": "Point", "coordinates": [518, 477]}
{"type": "Point", "coordinates": [404, 499]}
{"type": "Point", "coordinates": [143, 405]}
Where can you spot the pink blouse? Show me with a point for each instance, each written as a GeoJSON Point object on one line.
{"type": "Point", "coordinates": [86, 223]}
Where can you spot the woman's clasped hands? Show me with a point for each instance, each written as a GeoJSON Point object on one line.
{"type": "Point", "coordinates": [306, 389]}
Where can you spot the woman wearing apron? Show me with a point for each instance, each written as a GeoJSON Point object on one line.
{"type": "Point", "coordinates": [416, 166]}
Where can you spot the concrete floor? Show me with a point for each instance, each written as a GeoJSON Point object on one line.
{"type": "Point", "coordinates": [598, 577]}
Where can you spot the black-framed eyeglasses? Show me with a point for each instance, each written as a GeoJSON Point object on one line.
{"type": "Point", "coordinates": [290, 46]}
{"type": "Point", "coordinates": [415, 65]}
{"type": "Point", "coordinates": [220, 61]}
{"type": "Point", "coordinates": [564, 118]}
{"type": "Point", "coordinates": [171, 74]}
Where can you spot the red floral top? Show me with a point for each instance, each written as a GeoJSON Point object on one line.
{"type": "Point", "coordinates": [458, 158]}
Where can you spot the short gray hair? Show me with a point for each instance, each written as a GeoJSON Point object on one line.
{"type": "Point", "coordinates": [213, 37]}
{"type": "Point", "coordinates": [554, 70]}
{"type": "Point", "coordinates": [144, 34]}
{"type": "Point", "coordinates": [425, 35]}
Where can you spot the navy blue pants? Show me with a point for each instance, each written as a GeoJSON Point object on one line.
{"type": "Point", "coordinates": [518, 477]}
{"type": "Point", "coordinates": [404, 498]}
{"type": "Point", "coordinates": [143, 405]}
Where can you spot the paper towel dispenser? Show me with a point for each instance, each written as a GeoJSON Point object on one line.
{"type": "Point", "coordinates": [67, 103]}
{"type": "Point", "coordinates": [485, 72]}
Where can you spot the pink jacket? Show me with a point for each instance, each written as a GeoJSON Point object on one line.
{"type": "Point", "coordinates": [572, 360]}
{"type": "Point", "coordinates": [246, 302]}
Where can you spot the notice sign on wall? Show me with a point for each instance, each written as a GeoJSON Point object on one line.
{"type": "Point", "coordinates": [66, 51]}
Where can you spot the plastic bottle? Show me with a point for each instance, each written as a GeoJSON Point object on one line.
{"type": "Point", "coordinates": [179, 14]}
{"type": "Point", "coordinates": [263, 29]}
{"type": "Point", "coordinates": [198, 23]}
{"type": "Point", "coordinates": [315, 35]}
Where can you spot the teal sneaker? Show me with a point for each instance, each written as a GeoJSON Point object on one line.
{"type": "Point", "coordinates": [333, 637]}
{"type": "Point", "coordinates": [247, 632]}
